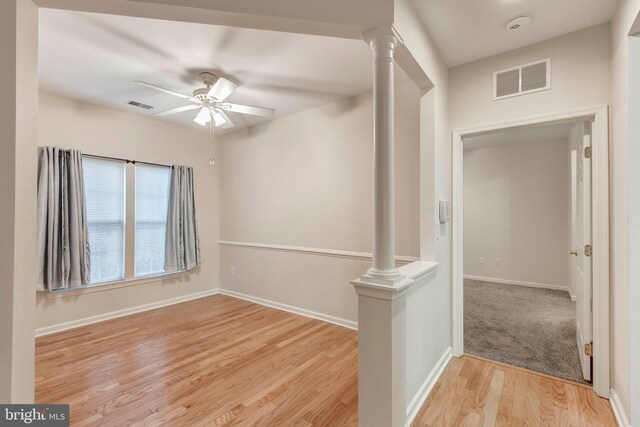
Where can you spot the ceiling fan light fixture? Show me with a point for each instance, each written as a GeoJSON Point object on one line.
{"type": "Point", "coordinates": [203, 117]}
{"type": "Point", "coordinates": [218, 119]}
{"type": "Point", "coordinates": [209, 100]}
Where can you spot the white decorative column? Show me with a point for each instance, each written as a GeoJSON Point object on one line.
{"type": "Point", "coordinates": [383, 41]}
{"type": "Point", "coordinates": [382, 290]}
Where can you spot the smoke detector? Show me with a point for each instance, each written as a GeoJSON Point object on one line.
{"type": "Point", "coordinates": [518, 22]}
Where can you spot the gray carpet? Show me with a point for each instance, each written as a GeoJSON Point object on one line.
{"type": "Point", "coordinates": [532, 328]}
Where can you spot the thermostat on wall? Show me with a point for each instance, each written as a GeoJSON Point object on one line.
{"type": "Point", "coordinates": [445, 209]}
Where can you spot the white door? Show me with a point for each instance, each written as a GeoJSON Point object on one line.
{"type": "Point", "coordinates": [581, 238]}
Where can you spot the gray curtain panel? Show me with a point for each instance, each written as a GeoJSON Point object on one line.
{"type": "Point", "coordinates": [182, 247]}
{"type": "Point", "coordinates": [63, 236]}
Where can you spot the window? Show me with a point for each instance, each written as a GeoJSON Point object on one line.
{"type": "Point", "coordinates": [152, 198]}
{"type": "Point", "coordinates": [127, 218]}
{"type": "Point", "coordinates": [104, 182]}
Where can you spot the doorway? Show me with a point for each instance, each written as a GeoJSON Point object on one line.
{"type": "Point", "coordinates": [587, 317]}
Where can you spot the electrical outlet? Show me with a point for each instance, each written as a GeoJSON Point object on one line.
{"type": "Point", "coordinates": [481, 260]}
{"type": "Point", "coordinates": [498, 261]}
{"type": "Point", "coordinates": [232, 270]}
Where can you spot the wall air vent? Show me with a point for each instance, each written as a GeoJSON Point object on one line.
{"type": "Point", "coordinates": [139, 105]}
{"type": "Point", "coordinates": [521, 80]}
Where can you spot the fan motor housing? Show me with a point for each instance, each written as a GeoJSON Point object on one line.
{"type": "Point", "coordinates": [208, 78]}
{"type": "Point", "coordinates": [201, 94]}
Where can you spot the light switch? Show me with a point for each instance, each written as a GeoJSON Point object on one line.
{"type": "Point", "coordinates": [445, 211]}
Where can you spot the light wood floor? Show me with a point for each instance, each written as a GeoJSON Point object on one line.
{"type": "Point", "coordinates": [221, 361]}
{"type": "Point", "coordinates": [477, 392]}
{"type": "Point", "coordinates": [212, 361]}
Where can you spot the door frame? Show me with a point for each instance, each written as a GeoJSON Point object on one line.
{"type": "Point", "coordinates": [600, 232]}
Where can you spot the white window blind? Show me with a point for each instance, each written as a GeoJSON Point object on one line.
{"type": "Point", "coordinates": [152, 198]}
{"type": "Point", "coordinates": [104, 183]}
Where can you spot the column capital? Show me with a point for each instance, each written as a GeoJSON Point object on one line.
{"type": "Point", "coordinates": [383, 38]}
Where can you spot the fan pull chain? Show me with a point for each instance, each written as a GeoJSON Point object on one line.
{"type": "Point", "coordinates": [212, 161]}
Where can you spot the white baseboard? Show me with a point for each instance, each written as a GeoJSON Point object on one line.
{"type": "Point", "coordinates": [145, 307]}
{"type": "Point", "coordinates": [291, 309]}
{"type": "Point", "coordinates": [616, 405]}
{"type": "Point", "coordinates": [423, 392]}
{"type": "Point", "coordinates": [520, 283]}
{"type": "Point", "coordinates": [119, 313]}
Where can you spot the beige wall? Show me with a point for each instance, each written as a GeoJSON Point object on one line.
{"type": "Point", "coordinates": [97, 130]}
{"type": "Point", "coordinates": [634, 228]}
{"type": "Point", "coordinates": [306, 180]}
{"type": "Point", "coordinates": [624, 368]}
{"type": "Point", "coordinates": [580, 75]}
{"type": "Point", "coordinates": [516, 208]}
{"type": "Point", "coordinates": [429, 314]}
{"type": "Point", "coordinates": [18, 113]}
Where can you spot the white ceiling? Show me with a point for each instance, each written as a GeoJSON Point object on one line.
{"type": "Point", "coordinates": [552, 132]}
{"type": "Point", "coordinates": [467, 30]}
{"type": "Point", "coordinates": [96, 57]}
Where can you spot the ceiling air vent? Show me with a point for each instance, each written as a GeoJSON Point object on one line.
{"type": "Point", "coordinates": [140, 105]}
{"type": "Point", "coordinates": [527, 78]}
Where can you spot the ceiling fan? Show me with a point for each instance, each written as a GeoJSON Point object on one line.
{"type": "Point", "coordinates": [210, 101]}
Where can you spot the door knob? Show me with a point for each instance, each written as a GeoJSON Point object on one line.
{"type": "Point", "coordinates": [574, 253]}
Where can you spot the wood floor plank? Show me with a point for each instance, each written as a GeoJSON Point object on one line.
{"type": "Point", "coordinates": [490, 411]}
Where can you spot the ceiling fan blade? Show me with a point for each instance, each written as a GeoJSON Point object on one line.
{"type": "Point", "coordinates": [248, 109]}
{"type": "Point", "coordinates": [161, 89]}
{"type": "Point", "coordinates": [222, 88]}
{"type": "Point", "coordinates": [222, 120]}
{"type": "Point", "coordinates": [177, 110]}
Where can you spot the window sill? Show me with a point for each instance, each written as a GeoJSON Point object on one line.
{"type": "Point", "coordinates": [99, 287]}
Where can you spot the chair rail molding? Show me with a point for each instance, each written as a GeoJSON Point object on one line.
{"type": "Point", "coordinates": [363, 256]}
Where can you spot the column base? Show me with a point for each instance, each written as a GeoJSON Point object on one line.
{"type": "Point", "coordinates": [383, 277]}
{"type": "Point", "coordinates": [388, 289]}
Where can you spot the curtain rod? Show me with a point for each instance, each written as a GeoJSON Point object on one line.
{"type": "Point", "coordinates": [126, 160]}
